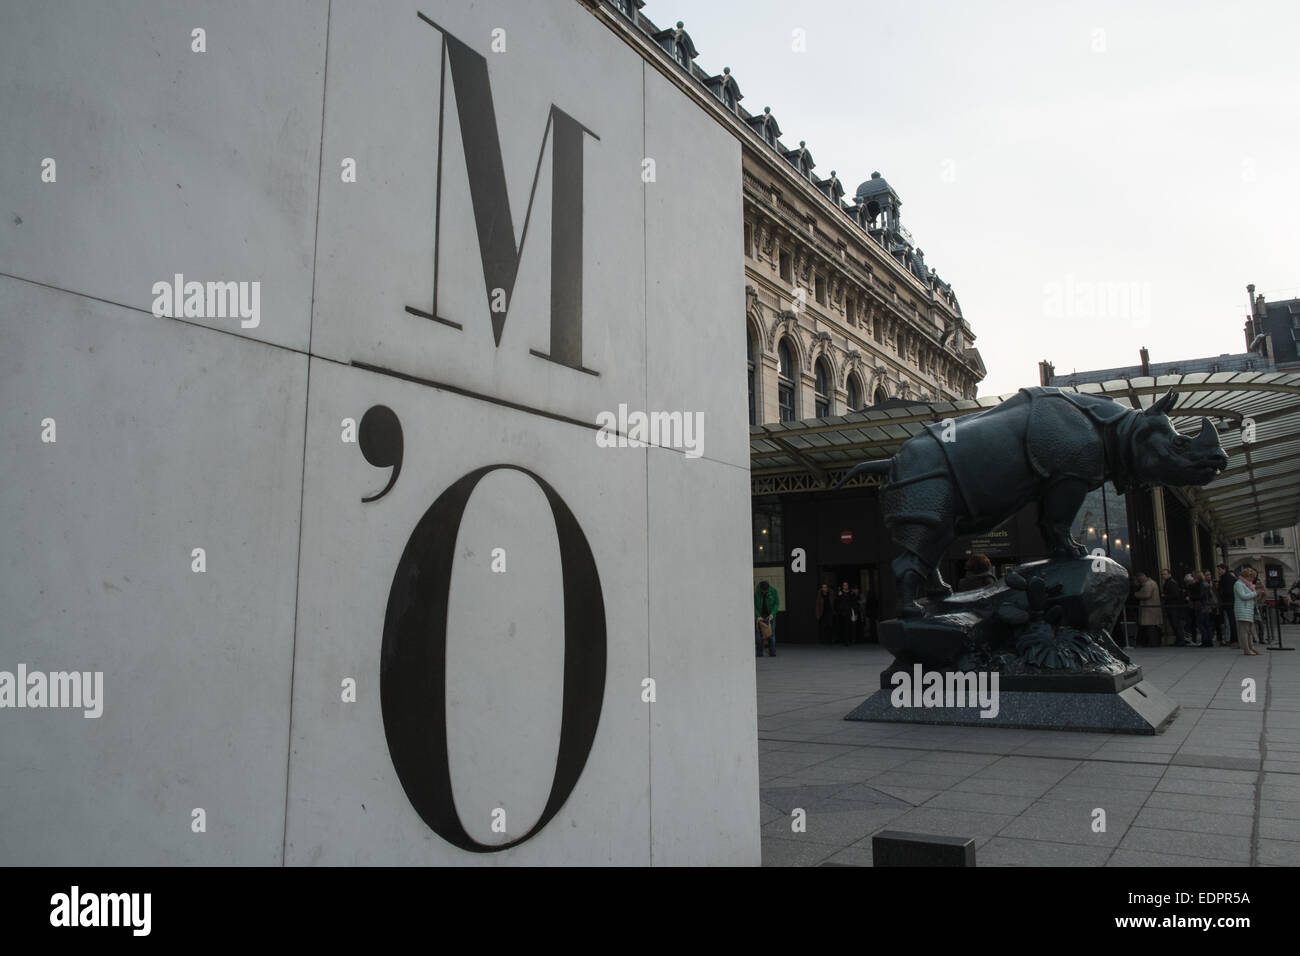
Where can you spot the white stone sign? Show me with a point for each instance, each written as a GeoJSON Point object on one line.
{"type": "Point", "coordinates": [311, 339]}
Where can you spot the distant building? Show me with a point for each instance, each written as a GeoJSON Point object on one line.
{"type": "Point", "coordinates": [1273, 330]}
{"type": "Point", "coordinates": [1277, 548]}
{"type": "Point", "coordinates": [1271, 336]}
{"type": "Point", "coordinates": [1242, 362]}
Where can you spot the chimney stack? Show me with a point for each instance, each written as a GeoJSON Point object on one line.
{"type": "Point", "coordinates": [1146, 361]}
{"type": "Point", "coordinates": [1046, 371]}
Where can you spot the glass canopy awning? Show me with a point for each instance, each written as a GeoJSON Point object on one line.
{"type": "Point", "coordinates": [1257, 415]}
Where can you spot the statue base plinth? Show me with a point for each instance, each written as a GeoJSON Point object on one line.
{"type": "Point", "coordinates": [1031, 651]}
{"type": "Point", "coordinates": [1139, 708]}
{"type": "Point", "coordinates": [1087, 682]}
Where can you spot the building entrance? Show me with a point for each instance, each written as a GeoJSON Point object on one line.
{"type": "Point", "coordinates": [852, 620]}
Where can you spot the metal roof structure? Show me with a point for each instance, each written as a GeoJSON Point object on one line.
{"type": "Point", "coordinates": [1257, 415]}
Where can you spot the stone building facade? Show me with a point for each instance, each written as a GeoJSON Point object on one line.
{"type": "Point", "coordinates": [842, 311]}
{"type": "Point", "coordinates": [1277, 547]}
{"type": "Point", "coordinates": [835, 322]}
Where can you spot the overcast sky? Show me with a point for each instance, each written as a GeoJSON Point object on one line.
{"type": "Point", "coordinates": [1091, 177]}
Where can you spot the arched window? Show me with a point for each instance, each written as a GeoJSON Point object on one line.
{"type": "Point", "coordinates": [881, 396]}
{"type": "Point", "coordinates": [852, 397]}
{"type": "Point", "coordinates": [785, 383]}
{"type": "Point", "coordinates": [823, 397]}
{"type": "Point", "coordinates": [749, 355]}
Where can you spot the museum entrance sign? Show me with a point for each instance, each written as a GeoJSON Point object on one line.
{"type": "Point", "coordinates": [366, 587]}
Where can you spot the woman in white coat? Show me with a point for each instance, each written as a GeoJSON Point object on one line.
{"type": "Point", "coordinates": [1244, 598]}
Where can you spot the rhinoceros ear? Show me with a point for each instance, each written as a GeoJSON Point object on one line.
{"type": "Point", "coordinates": [1165, 403]}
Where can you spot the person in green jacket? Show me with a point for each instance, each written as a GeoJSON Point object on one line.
{"type": "Point", "coordinates": [766, 604]}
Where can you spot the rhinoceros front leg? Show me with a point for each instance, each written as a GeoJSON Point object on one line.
{"type": "Point", "coordinates": [923, 542]}
{"type": "Point", "coordinates": [1056, 512]}
{"type": "Point", "coordinates": [937, 589]}
{"type": "Point", "coordinates": [919, 511]}
{"type": "Point", "coordinates": [909, 582]}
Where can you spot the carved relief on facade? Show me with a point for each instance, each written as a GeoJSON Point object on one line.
{"type": "Point", "coordinates": [823, 349]}
{"type": "Point", "coordinates": [786, 324]}
{"type": "Point", "coordinates": [852, 363]}
{"type": "Point", "coordinates": [755, 313]}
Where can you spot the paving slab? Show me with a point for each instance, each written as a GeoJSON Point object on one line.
{"type": "Point", "coordinates": [1221, 787]}
{"type": "Point", "coordinates": [1184, 843]}
{"type": "Point", "coordinates": [1007, 851]}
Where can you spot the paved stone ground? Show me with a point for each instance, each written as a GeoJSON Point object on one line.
{"type": "Point", "coordinates": [1221, 787]}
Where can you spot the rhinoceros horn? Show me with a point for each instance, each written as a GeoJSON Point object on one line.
{"type": "Point", "coordinates": [1208, 437]}
{"type": "Point", "coordinates": [1164, 404]}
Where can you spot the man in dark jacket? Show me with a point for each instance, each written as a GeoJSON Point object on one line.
{"type": "Point", "coordinates": [1226, 582]}
{"type": "Point", "coordinates": [844, 605]}
{"type": "Point", "coordinates": [1198, 593]}
{"type": "Point", "coordinates": [1175, 607]}
{"type": "Point", "coordinates": [825, 611]}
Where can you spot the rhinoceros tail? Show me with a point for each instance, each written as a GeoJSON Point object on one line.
{"type": "Point", "coordinates": [875, 467]}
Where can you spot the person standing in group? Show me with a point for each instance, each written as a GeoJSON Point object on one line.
{"type": "Point", "coordinates": [1227, 581]}
{"type": "Point", "coordinates": [825, 612]}
{"type": "Point", "coordinates": [1212, 604]}
{"type": "Point", "coordinates": [860, 636]}
{"type": "Point", "coordinates": [871, 612]}
{"type": "Point", "coordinates": [1148, 596]}
{"type": "Point", "coordinates": [1261, 609]}
{"type": "Point", "coordinates": [843, 614]}
{"type": "Point", "coordinates": [1244, 610]}
{"type": "Point", "coordinates": [1199, 593]}
{"type": "Point", "coordinates": [766, 604]}
{"type": "Point", "coordinates": [1175, 607]}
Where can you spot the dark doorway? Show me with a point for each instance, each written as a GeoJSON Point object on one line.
{"type": "Point", "coordinates": [861, 626]}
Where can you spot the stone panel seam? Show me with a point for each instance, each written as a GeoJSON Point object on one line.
{"type": "Point", "coordinates": [306, 419]}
